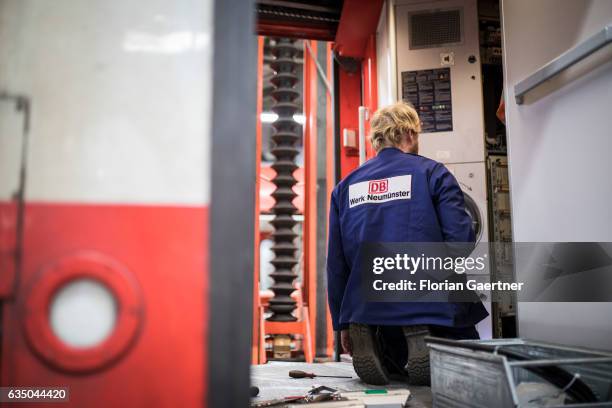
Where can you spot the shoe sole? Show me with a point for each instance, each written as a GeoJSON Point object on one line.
{"type": "Point", "coordinates": [417, 366]}
{"type": "Point", "coordinates": [366, 361]}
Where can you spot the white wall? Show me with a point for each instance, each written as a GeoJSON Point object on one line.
{"type": "Point", "coordinates": [560, 143]}
{"type": "Point", "coordinates": [11, 141]}
{"type": "Point", "coordinates": [121, 98]}
{"type": "Point", "coordinates": [385, 56]}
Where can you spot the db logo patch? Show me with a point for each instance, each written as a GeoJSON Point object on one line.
{"type": "Point", "coordinates": [378, 186]}
{"type": "Point", "coordinates": [380, 191]}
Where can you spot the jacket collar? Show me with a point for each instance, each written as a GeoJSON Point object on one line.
{"type": "Point", "coordinates": [389, 151]}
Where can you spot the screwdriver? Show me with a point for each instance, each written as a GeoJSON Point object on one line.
{"type": "Point", "coordinates": [304, 374]}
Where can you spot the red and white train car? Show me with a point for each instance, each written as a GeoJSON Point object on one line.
{"type": "Point", "coordinates": [119, 179]}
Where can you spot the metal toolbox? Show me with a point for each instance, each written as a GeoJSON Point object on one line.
{"type": "Point", "coordinates": [462, 377]}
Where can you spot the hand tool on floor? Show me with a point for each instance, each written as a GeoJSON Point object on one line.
{"type": "Point", "coordinates": [321, 393]}
{"type": "Point", "coordinates": [276, 402]}
{"type": "Point", "coordinates": [304, 374]}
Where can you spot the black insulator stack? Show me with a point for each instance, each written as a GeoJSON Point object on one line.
{"type": "Point", "coordinates": [285, 137]}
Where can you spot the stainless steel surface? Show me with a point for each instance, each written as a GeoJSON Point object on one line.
{"type": "Point", "coordinates": [563, 61]}
{"type": "Point", "coordinates": [469, 378]}
{"type": "Point", "coordinates": [552, 362]}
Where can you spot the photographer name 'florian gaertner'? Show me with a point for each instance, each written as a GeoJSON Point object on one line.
{"type": "Point", "coordinates": [416, 200]}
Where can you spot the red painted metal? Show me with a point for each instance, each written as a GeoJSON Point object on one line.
{"type": "Point", "coordinates": [275, 29]}
{"type": "Point", "coordinates": [85, 265]}
{"type": "Point", "coordinates": [301, 327]}
{"type": "Point", "coordinates": [350, 100]}
{"type": "Point", "coordinates": [310, 190]}
{"type": "Point", "coordinates": [329, 174]}
{"type": "Point", "coordinates": [258, 354]}
{"type": "Point", "coordinates": [165, 249]}
{"type": "Point", "coordinates": [257, 335]}
{"type": "Point", "coordinates": [358, 21]}
{"type": "Point", "coordinates": [370, 87]}
{"type": "Point", "coordinates": [8, 247]}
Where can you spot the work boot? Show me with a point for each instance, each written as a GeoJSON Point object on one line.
{"type": "Point", "coordinates": [367, 358]}
{"type": "Point", "coordinates": [417, 366]}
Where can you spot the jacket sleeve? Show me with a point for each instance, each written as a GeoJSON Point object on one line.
{"type": "Point", "coordinates": [337, 268]}
{"type": "Point", "coordinates": [455, 223]}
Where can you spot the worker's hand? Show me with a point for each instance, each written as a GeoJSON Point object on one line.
{"type": "Point", "coordinates": [345, 340]}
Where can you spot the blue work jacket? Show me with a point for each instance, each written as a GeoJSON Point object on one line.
{"type": "Point", "coordinates": [417, 200]}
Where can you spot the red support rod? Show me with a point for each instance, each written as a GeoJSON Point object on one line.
{"type": "Point", "coordinates": [310, 188]}
{"type": "Point", "coordinates": [256, 353]}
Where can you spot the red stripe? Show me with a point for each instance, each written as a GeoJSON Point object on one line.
{"type": "Point", "coordinates": [8, 246]}
{"type": "Point", "coordinates": [166, 249]}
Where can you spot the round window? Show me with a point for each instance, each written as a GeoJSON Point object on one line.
{"type": "Point", "coordinates": [472, 209]}
{"type": "Point", "coordinates": [83, 313]}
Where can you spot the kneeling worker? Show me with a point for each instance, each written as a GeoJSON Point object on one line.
{"type": "Point", "coordinates": [386, 338]}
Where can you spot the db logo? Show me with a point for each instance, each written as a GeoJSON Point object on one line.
{"type": "Point", "coordinates": [378, 186]}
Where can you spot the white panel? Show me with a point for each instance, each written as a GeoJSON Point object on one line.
{"type": "Point", "coordinates": [384, 61]}
{"type": "Point", "coordinates": [465, 143]}
{"type": "Point", "coordinates": [559, 146]}
{"type": "Point", "coordinates": [121, 96]}
{"type": "Point", "coordinates": [11, 143]}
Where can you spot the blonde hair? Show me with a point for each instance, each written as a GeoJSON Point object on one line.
{"type": "Point", "coordinates": [390, 124]}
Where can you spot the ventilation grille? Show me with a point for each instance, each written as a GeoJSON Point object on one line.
{"type": "Point", "coordinates": [433, 29]}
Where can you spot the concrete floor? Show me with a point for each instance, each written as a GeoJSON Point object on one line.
{"type": "Point", "coordinates": [274, 382]}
